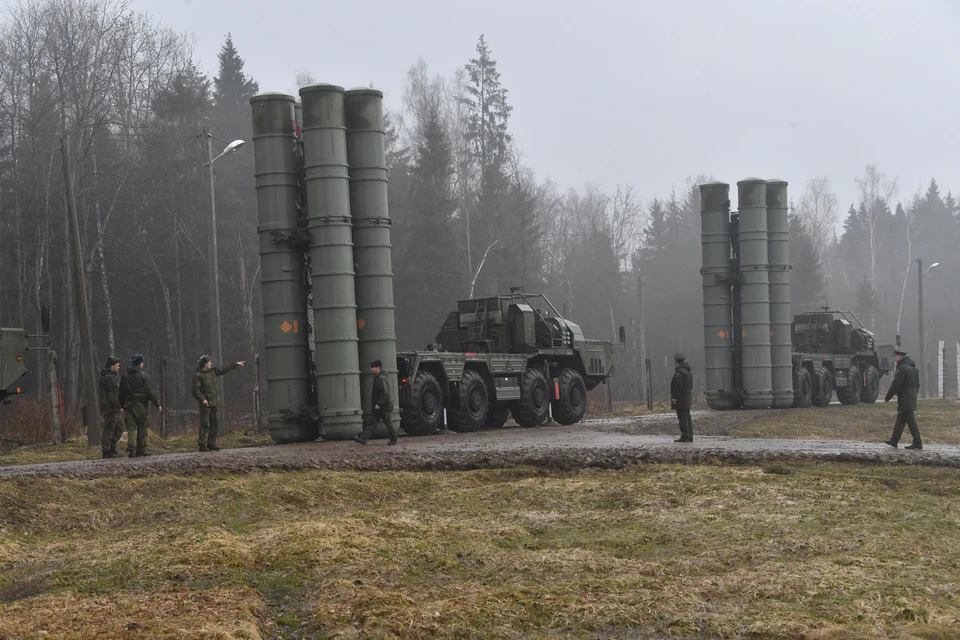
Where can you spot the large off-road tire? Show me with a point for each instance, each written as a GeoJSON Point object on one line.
{"type": "Point", "coordinates": [425, 414]}
{"type": "Point", "coordinates": [803, 394]}
{"type": "Point", "coordinates": [534, 403]}
{"type": "Point", "coordinates": [850, 394]}
{"type": "Point", "coordinates": [572, 404]}
{"type": "Point", "coordinates": [496, 417]}
{"type": "Point", "coordinates": [823, 388]}
{"type": "Point", "coordinates": [871, 385]}
{"type": "Point", "coordinates": [473, 403]}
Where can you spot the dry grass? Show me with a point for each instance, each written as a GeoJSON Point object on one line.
{"type": "Point", "coordinates": [817, 551]}
{"type": "Point", "coordinates": [76, 448]}
{"type": "Point", "coordinates": [939, 422]}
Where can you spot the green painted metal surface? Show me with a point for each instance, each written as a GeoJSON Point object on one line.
{"type": "Point", "coordinates": [755, 294]}
{"type": "Point", "coordinates": [284, 302]}
{"type": "Point", "coordinates": [330, 229]}
{"type": "Point", "coordinates": [717, 328]}
{"type": "Point", "coordinates": [376, 328]}
{"type": "Point", "coordinates": [781, 348]}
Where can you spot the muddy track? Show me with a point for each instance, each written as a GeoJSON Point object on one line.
{"type": "Point", "coordinates": [608, 444]}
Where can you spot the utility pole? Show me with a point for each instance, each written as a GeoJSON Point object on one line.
{"type": "Point", "coordinates": [643, 340]}
{"type": "Point", "coordinates": [213, 278]}
{"type": "Point", "coordinates": [923, 373]}
{"type": "Point", "coordinates": [88, 367]}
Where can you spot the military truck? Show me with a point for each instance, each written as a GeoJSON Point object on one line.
{"type": "Point", "coordinates": [497, 356]}
{"type": "Point", "coordinates": [833, 351]}
{"type": "Point", "coordinates": [13, 350]}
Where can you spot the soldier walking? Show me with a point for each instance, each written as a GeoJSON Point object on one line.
{"type": "Point", "coordinates": [381, 405]}
{"type": "Point", "coordinates": [110, 408]}
{"type": "Point", "coordinates": [205, 392]}
{"type": "Point", "coordinates": [906, 386]}
{"type": "Point", "coordinates": [681, 396]}
{"type": "Point", "coordinates": [136, 394]}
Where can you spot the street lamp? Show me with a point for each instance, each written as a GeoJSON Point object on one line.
{"type": "Point", "coordinates": [923, 360]}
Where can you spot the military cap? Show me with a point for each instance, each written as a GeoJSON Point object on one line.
{"type": "Point", "coordinates": [679, 357]}
{"type": "Point", "coordinates": [112, 360]}
{"type": "Point", "coordinates": [136, 359]}
{"type": "Point", "coordinates": [204, 359]}
{"type": "Point", "coordinates": [897, 352]}
{"type": "Point", "coordinates": [375, 363]}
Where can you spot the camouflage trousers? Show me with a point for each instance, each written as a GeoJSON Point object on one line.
{"type": "Point", "coordinates": [686, 423]}
{"type": "Point", "coordinates": [374, 420]}
{"type": "Point", "coordinates": [906, 419]}
{"type": "Point", "coordinates": [209, 426]}
{"type": "Point", "coordinates": [111, 432]}
{"type": "Point", "coordinates": [137, 418]}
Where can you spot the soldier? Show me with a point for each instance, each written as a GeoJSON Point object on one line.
{"type": "Point", "coordinates": [205, 392]}
{"type": "Point", "coordinates": [681, 396]}
{"type": "Point", "coordinates": [380, 406]}
{"type": "Point", "coordinates": [906, 386]}
{"type": "Point", "coordinates": [110, 408]}
{"type": "Point", "coordinates": [136, 394]}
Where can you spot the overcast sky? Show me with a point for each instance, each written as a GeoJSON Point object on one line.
{"type": "Point", "coordinates": [646, 93]}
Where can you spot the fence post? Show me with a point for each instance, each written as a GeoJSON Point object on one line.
{"type": "Point", "coordinates": [54, 398]}
{"type": "Point", "coordinates": [163, 396]}
{"type": "Point", "coordinates": [941, 356]}
{"type": "Point", "coordinates": [646, 364]}
{"type": "Point", "coordinates": [256, 393]}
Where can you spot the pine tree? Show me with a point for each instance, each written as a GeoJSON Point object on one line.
{"type": "Point", "coordinates": [807, 283]}
{"type": "Point", "coordinates": [489, 114]}
{"type": "Point", "coordinates": [232, 90]}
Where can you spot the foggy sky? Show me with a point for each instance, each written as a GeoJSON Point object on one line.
{"type": "Point", "coordinates": [646, 93]}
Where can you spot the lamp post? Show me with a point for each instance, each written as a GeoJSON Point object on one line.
{"type": "Point", "coordinates": [923, 359]}
{"type": "Point", "coordinates": [214, 280]}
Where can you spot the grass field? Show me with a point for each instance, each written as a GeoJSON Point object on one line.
{"type": "Point", "coordinates": [816, 551]}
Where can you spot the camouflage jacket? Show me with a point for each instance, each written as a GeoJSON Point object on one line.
{"type": "Point", "coordinates": [136, 388]}
{"type": "Point", "coordinates": [205, 384]}
{"type": "Point", "coordinates": [380, 394]}
{"type": "Point", "coordinates": [109, 391]}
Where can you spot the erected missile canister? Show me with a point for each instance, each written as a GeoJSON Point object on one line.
{"type": "Point", "coordinates": [778, 243]}
{"type": "Point", "coordinates": [330, 229]}
{"type": "Point", "coordinates": [755, 295]}
{"type": "Point", "coordinates": [284, 306]}
{"type": "Point", "coordinates": [366, 152]}
{"type": "Point", "coordinates": [718, 339]}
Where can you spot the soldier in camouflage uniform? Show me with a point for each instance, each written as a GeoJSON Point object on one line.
{"type": "Point", "coordinates": [380, 406]}
{"type": "Point", "coordinates": [681, 396]}
{"type": "Point", "coordinates": [110, 408]}
{"type": "Point", "coordinates": [205, 392]}
{"type": "Point", "coordinates": [906, 386]}
{"type": "Point", "coordinates": [136, 394]}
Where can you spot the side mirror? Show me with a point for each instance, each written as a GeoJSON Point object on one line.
{"type": "Point", "coordinates": [45, 320]}
{"type": "Point", "coordinates": [623, 335]}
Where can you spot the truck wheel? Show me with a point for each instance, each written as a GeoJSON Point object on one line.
{"type": "Point", "coordinates": [472, 408]}
{"type": "Point", "coordinates": [425, 414]}
{"type": "Point", "coordinates": [851, 393]}
{"type": "Point", "coordinates": [496, 417]}
{"type": "Point", "coordinates": [570, 407]}
{"type": "Point", "coordinates": [534, 403]}
{"type": "Point", "coordinates": [803, 396]}
{"type": "Point", "coordinates": [871, 385]}
{"type": "Point", "coordinates": [823, 388]}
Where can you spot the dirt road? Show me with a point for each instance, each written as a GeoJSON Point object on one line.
{"type": "Point", "coordinates": [612, 443]}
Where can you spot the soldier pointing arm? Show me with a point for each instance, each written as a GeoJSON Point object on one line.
{"type": "Point", "coordinates": [206, 394]}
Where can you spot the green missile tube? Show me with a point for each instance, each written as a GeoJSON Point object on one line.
{"type": "Point", "coordinates": [755, 295]}
{"type": "Point", "coordinates": [778, 251]}
{"type": "Point", "coordinates": [330, 230]}
{"type": "Point", "coordinates": [284, 302]}
{"type": "Point", "coordinates": [376, 328]}
{"type": "Point", "coordinates": [717, 328]}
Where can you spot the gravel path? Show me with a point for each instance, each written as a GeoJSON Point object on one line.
{"type": "Point", "coordinates": [612, 443]}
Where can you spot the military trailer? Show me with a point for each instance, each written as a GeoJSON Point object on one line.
{"type": "Point", "coordinates": [13, 349]}
{"type": "Point", "coordinates": [755, 357]}
{"type": "Point", "coordinates": [497, 356]}
{"type": "Point", "coordinates": [833, 351]}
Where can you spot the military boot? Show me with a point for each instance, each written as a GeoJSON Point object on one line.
{"type": "Point", "coordinates": [203, 447]}
{"type": "Point", "coordinates": [140, 454]}
{"type": "Point", "coordinates": [132, 453]}
{"type": "Point", "coordinates": [111, 454]}
{"type": "Point", "coordinates": [359, 440]}
{"type": "Point", "coordinates": [213, 446]}
{"type": "Point", "coordinates": [392, 441]}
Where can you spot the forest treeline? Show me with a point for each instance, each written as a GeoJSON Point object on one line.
{"type": "Point", "coordinates": [471, 216]}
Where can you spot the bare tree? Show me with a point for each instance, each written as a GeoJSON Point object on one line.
{"type": "Point", "coordinates": [818, 209]}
